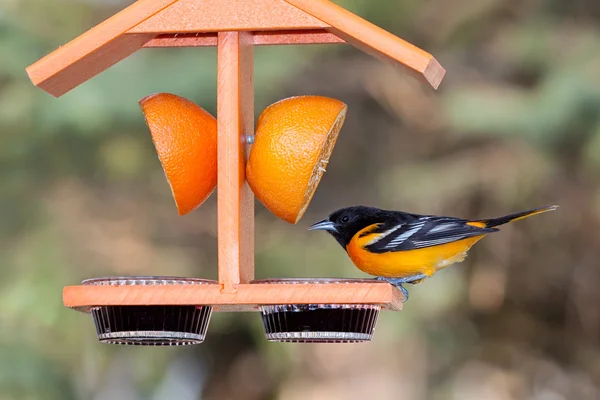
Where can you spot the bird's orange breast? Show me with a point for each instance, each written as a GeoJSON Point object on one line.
{"type": "Point", "coordinates": [405, 263]}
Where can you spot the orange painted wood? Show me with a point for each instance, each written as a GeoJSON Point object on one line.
{"type": "Point", "coordinates": [374, 40]}
{"type": "Point", "coordinates": [96, 50]}
{"type": "Point", "coordinates": [313, 36]}
{"type": "Point", "coordinates": [137, 25]}
{"type": "Point", "coordinates": [261, 38]}
{"type": "Point", "coordinates": [191, 16]}
{"type": "Point", "coordinates": [235, 116]}
{"type": "Point", "coordinates": [245, 298]}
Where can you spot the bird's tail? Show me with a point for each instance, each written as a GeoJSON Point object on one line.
{"type": "Point", "coordinates": [490, 223]}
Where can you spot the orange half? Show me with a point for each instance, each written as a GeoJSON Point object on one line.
{"type": "Point", "coordinates": [185, 137]}
{"type": "Point", "coordinates": [292, 146]}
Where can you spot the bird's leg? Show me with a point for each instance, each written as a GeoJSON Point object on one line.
{"type": "Point", "coordinates": [406, 279]}
{"type": "Point", "coordinates": [397, 282]}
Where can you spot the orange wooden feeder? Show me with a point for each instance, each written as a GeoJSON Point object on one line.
{"type": "Point", "coordinates": [234, 26]}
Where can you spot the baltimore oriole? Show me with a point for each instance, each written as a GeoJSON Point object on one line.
{"type": "Point", "coordinates": [400, 247]}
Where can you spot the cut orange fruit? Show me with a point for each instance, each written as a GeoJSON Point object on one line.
{"type": "Point", "coordinates": [185, 137]}
{"type": "Point", "coordinates": [293, 142]}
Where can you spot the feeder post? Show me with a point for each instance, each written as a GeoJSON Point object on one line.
{"type": "Point", "coordinates": [235, 116]}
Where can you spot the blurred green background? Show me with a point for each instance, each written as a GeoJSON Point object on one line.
{"type": "Point", "coordinates": [515, 125]}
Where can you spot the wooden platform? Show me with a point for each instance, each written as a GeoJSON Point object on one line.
{"type": "Point", "coordinates": [247, 297]}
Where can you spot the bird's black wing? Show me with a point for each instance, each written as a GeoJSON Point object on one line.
{"type": "Point", "coordinates": [424, 232]}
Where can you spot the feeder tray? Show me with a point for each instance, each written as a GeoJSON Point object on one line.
{"type": "Point", "coordinates": [152, 325]}
{"type": "Point", "coordinates": [318, 323]}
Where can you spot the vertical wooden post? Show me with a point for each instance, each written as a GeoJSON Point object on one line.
{"type": "Point", "coordinates": [235, 115]}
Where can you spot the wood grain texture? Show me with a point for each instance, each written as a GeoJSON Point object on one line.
{"type": "Point", "coordinates": [374, 40]}
{"type": "Point", "coordinates": [96, 50]}
{"type": "Point", "coordinates": [191, 16]}
{"type": "Point", "coordinates": [137, 25]}
{"type": "Point", "coordinates": [235, 116]}
{"type": "Point", "coordinates": [260, 38]}
{"type": "Point", "coordinates": [246, 297]}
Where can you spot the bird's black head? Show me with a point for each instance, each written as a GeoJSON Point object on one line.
{"type": "Point", "coordinates": [344, 223]}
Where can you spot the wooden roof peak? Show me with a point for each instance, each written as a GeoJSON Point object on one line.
{"type": "Point", "coordinates": [157, 23]}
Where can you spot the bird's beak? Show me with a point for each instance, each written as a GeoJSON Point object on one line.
{"type": "Point", "coordinates": [325, 225]}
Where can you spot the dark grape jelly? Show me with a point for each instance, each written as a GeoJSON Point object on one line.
{"type": "Point", "coordinates": [324, 323]}
{"type": "Point", "coordinates": [150, 325]}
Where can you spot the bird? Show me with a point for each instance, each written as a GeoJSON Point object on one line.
{"type": "Point", "coordinates": [401, 247]}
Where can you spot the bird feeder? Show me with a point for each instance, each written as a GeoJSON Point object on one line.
{"type": "Point", "coordinates": [173, 310]}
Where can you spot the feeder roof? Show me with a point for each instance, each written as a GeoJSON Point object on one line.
{"type": "Point", "coordinates": [173, 23]}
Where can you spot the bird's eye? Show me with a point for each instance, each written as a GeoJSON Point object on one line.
{"type": "Point", "coordinates": [345, 219]}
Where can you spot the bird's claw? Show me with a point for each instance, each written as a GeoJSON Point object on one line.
{"type": "Point", "coordinates": [397, 282]}
{"type": "Point", "coordinates": [404, 292]}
